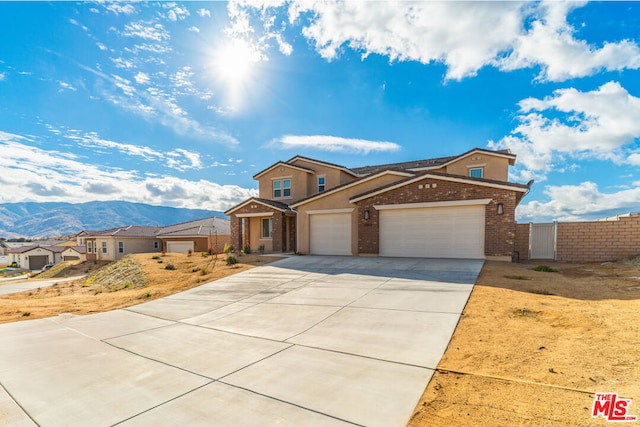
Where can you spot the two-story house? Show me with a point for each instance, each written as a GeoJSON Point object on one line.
{"type": "Point", "coordinates": [449, 207]}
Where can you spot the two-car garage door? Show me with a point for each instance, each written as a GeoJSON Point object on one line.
{"type": "Point", "coordinates": [433, 232]}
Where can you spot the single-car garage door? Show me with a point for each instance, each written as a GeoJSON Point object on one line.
{"type": "Point", "coordinates": [183, 247]}
{"type": "Point", "coordinates": [330, 234]}
{"type": "Point", "coordinates": [36, 262]}
{"type": "Point", "coordinates": [435, 232]}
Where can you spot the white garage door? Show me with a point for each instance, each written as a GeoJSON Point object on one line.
{"type": "Point", "coordinates": [179, 246]}
{"type": "Point", "coordinates": [330, 234]}
{"type": "Point", "coordinates": [438, 232]}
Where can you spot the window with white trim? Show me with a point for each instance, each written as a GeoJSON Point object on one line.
{"type": "Point", "coordinates": [321, 185]}
{"type": "Point", "coordinates": [89, 246]}
{"type": "Point", "coordinates": [266, 231]}
{"type": "Point", "coordinates": [281, 188]}
{"type": "Point", "coordinates": [476, 173]}
{"type": "Point", "coordinates": [120, 247]}
{"type": "Point", "coordinates": [104, 247]}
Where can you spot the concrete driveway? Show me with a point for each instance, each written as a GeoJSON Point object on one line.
{"type": "Point", "coordinates": [303, 341]}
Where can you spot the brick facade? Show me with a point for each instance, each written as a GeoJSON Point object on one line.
{"type": "Point", "coordinates": [283, 232]}
{"type": "Point", "coordinates": [590, 241]}
{"type": "Point", "coordinates": [499, 228]}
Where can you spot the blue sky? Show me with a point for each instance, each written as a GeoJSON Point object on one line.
{"type": "Point", "coordinates": [180, 104]}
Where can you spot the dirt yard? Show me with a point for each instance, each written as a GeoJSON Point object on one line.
{"type": "Point", "coordinates": [119, 285]}
{"type": "Point", "coordinates": [533, 347]}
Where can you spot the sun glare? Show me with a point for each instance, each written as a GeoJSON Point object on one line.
{"type": "Point", "coordinates": [234, 62]}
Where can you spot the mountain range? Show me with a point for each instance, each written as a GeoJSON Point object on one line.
{"type": "Point", "coordinates": [51, 219]}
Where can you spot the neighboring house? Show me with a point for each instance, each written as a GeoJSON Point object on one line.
{"type": "Point", "coordinates": [36, 257]}
{"type": "Point", "coordinates": [202, 235]}
{"type": "Point", "coordinates": [450, 207]}
{"type": "Point", "coordinates": [74, 253]}
{"type": "Point", "coordinates": [4, 249]}
{"type": "Point", "coordinates": [113, 244]}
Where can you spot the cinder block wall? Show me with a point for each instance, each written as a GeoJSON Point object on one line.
{"type": "Point", "coordinates": [598, 241]}
{"type": "Point", "coordinates": [590, 241]}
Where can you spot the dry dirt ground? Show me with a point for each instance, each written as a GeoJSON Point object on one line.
{"type": "Point", "coordinates": [122, 284]}
{"type": "Point", "coordinates": [533, 347]}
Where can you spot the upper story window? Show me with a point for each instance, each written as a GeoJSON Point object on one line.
{"type": "Point", "coordinates": [321, 184]}
{"type": "Point", "coordinates": [281, 188]}
{"type": "Point", "coordinates": [476, 173]}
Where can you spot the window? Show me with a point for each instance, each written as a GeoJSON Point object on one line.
{"type": "Point", "coordinates": [282, 188]}
{"type": "Point", "coordinates": [320, 184]}
{"type": "Point", "coordinates": [89, 247]}
{"type": "Point", "coordinates": [120, 247]}
{"type": "Point", "coordinates": [267, 228]}
{"type": "Point", "coordinates": [155, 245]}
{"type": "Point", "coordinates": [104, 247]}
{"type": "Point", "coordinates": [475, 173]}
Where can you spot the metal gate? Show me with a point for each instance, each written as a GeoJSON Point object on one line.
{"type": "Point", "coordinates": [542, 240]}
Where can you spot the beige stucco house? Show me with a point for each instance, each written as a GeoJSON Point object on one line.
{"type": "Point", "coordinates": [113, 244]}
{"type": "Point", "coordinates": [460, 206]}
{"type": "Point", "coordinates": [35, 257]}
{"type": "Point", "coordinates": [202, 235]}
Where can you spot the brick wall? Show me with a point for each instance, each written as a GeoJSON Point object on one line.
{"type": "Point", "coordinates": [522, 242]}
{"type": "Point", "coordinates": [590, 241]}
{"type": "Point", "coordinates": [499, 229]}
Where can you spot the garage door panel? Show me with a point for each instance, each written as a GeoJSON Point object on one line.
{"type": "Point", "coordinates": [37, 262]}
{"type": "Point", "coordinates": [182, 247]}
{"type": "Point", "coordinates": [330, 234]}
{"type": "Point", "coordinates": [442, 232]}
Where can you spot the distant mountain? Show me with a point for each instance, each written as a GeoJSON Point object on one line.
{"type": "Point", "coordinates": [35, 220]}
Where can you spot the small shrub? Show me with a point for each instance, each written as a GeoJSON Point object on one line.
{"type": "Point", "coordinates": [261, 249]}
{"type": "Point", "coordinates": [26, 314]}
{"type": "Point", "coordinates": [170, 267]}
{"type": "Point", "coordinates": [204, 272]}
{"type": "Point", "coordinates": [155, 257]}
{"type": "Point", "coordinates": [205, 254]}
{"type": "Point", "coordinates": [160, 262]}
{"type": "Point", "coordinates": [195, 270]}
{"type": "Point", "coordinates": [190, 252]}
{"type": "Point", "coordinates": [231, 260]}
{"type": "Point", "coordinates": [545, 268]}
{"type": "Point", "coordinates": [246, 250]}
{"type": "Point", "coordinates": [517, 277]}
{"type": "Point", "coordinates": [227, 248]}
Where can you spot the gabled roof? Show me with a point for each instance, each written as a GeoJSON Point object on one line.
{"type": "Point", "coordinates": [23, 249]}
{"type": "Point", "coordinates": [445, 177]}
{"type": "Point", "coordinates": [434, 163]}
{"type": "Point", "coordinates": [323, 163]}
{"type": "Point", "coordinates": [348, 185]}
{"type": "Point", "coordinates": [198, 227]}
{"type": "Point", "coordinates": [285, 164]}
{"type": "Point", "coordinates": [140, 231]}
{"type": "Point", "coordinates": [282, 207]}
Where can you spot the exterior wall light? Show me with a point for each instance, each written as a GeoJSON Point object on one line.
{"type": "Point", "coordinates": [366, 214]}
{"type": "Point", "coordinates": [500, 208]}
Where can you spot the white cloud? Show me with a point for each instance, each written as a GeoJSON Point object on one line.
{"type": "Point", "coordinates": [579, 202]}
{"type": "Point", "coordinates": [600, 124]}
{"type": "Point", "coordinates": [194, 29]}
{"type": "Point", "coordinates": [146, 30]}
{"type": "Point", "coordinates": [175, 12]}
{"type": "Point", "coordinates": [56, 176]}
{"type": "Point", "coordinates": [141, 78]}
{"type": "Point", "coordinates": [3, 76]}
{"type": "Point", "coordinates": [66, 86]}
{"type": "Point", "coordinates": [101, 46]}
{"type": "Point", "coordinates": [120, 8]}
{"type": "Point", "coordinates": [465, 36]}
{"type": "Point", "coordinates": [204, 12]}
{"type": "Point", "coordinates": [333, 144]}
